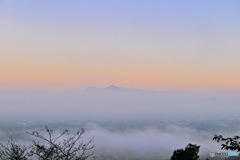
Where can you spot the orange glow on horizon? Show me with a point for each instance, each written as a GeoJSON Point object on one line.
{"type": "Point", "coordinates": [59, 75]}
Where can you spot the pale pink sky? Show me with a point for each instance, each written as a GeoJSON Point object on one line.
{"type": "Point", "coordinates": [147, 44]}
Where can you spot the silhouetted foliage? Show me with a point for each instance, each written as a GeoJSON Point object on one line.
{"type": "Point", "coordinates": [232, 144]}
{"type": "Point", "coordinates": [229, 143]}
{"type": "Point", "coordinates": [49, 147]}
{"type": "Point", "coordinates": [14, 151]}
{"type": "Point", "coordinates": [189, 153]}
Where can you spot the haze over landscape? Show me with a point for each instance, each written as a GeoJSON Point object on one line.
{"type": "Point", "coordinates": [144, 77]}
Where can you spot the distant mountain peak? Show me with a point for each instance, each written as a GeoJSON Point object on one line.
{"type": "Point", "coordinates": [112, 87]}
{"type": "Point", "coordinates": [117, 88]}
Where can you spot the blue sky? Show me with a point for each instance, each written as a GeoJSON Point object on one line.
{"type": "Point", "coordinates": [154, 45]}
{"type": "Point", "coordinates": [176, 44]}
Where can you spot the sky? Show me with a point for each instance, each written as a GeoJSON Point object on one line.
{"type": "Point", "coordinates": [146, 44]}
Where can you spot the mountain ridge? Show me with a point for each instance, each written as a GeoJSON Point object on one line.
{"type": "Point", "coordinates": [118, 88]}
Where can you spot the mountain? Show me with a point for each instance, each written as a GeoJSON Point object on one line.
{"type": "Point", "coordinates": [112, 87]}
{"type": "Point", "coordinates": [117, 88]}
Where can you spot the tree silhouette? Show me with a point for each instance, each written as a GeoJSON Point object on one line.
{"type": "Point", "coordinates": [189, 153]}
{"type": "Point", "coordinates": [229, 143]}
{"type": "Point", "coordinates": [50, 147]}
{"type": "Point", "coordinates": [14, 151]}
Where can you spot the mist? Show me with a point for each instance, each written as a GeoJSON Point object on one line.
{"type": "Point", "coordinates": [138, 141]}
{"type": "Point", "coordinates": [126, 123]}
{"type": "Point", "coordinates": [147, 143]}
{"type": "Point", "coordinates": [117, 102]}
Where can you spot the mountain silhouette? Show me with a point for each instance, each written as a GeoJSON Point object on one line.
{"type": "Point", "coordinates": [117, 88]}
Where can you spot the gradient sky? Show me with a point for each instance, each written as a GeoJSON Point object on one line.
{"type": "Point", "coordinates": [137, 43]}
